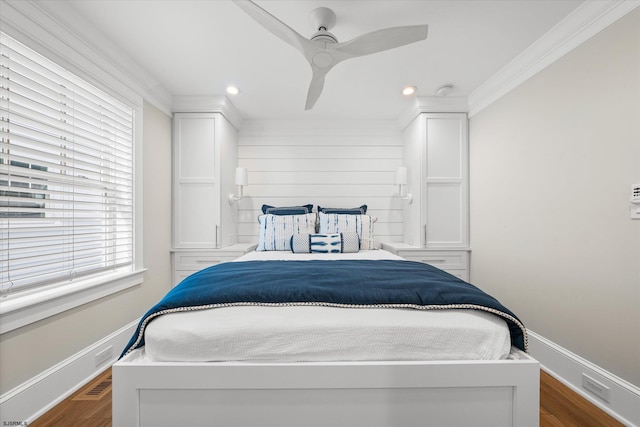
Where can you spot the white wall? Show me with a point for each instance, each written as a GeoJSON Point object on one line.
{"type": "Point", "coordinates": [30, 350]}
{"type": "Point", "coordinates": [552, 164]}
{"type": "Point", "coordinates": [331, 164]}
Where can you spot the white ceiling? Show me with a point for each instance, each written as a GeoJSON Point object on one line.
{"type": "Point", "coordinates": [200, 47]}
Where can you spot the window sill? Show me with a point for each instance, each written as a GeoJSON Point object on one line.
{"type": "Point", "coordinates": [23, 308]}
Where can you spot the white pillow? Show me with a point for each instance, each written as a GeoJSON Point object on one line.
{"type": "Point", "coordinates": [341, 223]}
{"type": "Point", "coordinates": [275, 231]}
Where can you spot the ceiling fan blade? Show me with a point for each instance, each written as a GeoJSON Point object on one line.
{"type": "Point", "coordinates": [316, 86]}
{"type": "Point", "coordinates": [274, 25]}
{"type": "Point", "coordinates": [381, 40]}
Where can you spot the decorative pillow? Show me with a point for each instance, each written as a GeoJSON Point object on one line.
{"type": "Point", "coordinates": [325, 243]}
{"type": "Point", "coordinates": [275, 231]}
{"type": "Point", "coordinates": [287, 210]}
{"type": "Point", "coordinates": [347, 211]}
{"type": "Point", "coordinates": [360, 224]}
{"type": "Point", "coordinates": [350, 242]}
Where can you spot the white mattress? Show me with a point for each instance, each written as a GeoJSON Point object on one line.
{"type": "Point", "coordinates": [313, 333]}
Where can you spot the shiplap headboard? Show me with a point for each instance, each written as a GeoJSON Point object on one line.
{"type": "Point", "coordinates": [332, 164]}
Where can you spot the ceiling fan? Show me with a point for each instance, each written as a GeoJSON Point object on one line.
{"type": "Point", "coordinates": [322, 50]}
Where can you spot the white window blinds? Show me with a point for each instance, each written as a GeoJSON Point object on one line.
{"type": "Point", "coordinates": [66, 173]}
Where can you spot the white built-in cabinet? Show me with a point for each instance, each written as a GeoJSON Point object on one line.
{"type": "Point", "coordinates": [436, 224]}
{"type": "Point", "coordinates": [436, 154]}
{"type": "Point", "coordinates": [204, 224]}
{"type": "Point", "coordinates": [196, 181]}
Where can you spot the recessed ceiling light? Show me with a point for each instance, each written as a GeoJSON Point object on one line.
{"type": "Point", "coordinates": [409, 90]}
{"type": "Point", "coordinates": [233, 90]}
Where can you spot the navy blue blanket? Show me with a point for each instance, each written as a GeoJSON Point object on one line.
{"type": "Point", "coordinates": [341, 282]}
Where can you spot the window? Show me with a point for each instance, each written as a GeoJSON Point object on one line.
{"type": "Point", "coordinates": [66, 175]}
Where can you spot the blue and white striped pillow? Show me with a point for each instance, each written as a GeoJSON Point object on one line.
{"type": "Point", "coordinates": [275, 231]}
{"type": "Point", "coordinates": [325, 243]}
{"type": "Point", "coordinates": [360, 224]}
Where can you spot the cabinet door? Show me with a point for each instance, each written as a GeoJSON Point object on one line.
{"type": "Point", "coordinates": [445, 193]}
{"type": "Point", "coordinates": [195, 181]}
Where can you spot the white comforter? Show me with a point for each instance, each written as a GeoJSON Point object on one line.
{"type": "Point", "coordinates": [311, 333]}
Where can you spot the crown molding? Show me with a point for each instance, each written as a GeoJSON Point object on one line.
{"type": "Point", "coordinates": [207, 104]}
{"type": "Point", "coordinates": [584, 22]}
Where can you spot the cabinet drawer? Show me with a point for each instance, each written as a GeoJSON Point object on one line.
{"type": "Point", "coordinates": [446, 260]}
{"type": "Point", "coordinates": [198, 260]}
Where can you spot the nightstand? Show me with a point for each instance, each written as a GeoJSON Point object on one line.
{"type": "Point", "coordinates": [185, 262]}
{"type": "Point", "coordinates": [452, 260]}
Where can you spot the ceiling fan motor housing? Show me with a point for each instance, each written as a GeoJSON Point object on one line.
{"type": "Point", "coordinates": [323, 19]}
{"type": "Point", "coordinates": [324, 36]}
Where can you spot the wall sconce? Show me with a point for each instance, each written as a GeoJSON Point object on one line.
{"type": "Point", "coordinates": [401, 182]}
{"type": "Point", "coordinates": [241, 180]}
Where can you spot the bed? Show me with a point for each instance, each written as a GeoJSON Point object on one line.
{"type": "Point", "coordinates": [295, 339]}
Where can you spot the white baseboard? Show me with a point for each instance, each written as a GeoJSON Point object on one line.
{"type": "Point", "coordinates": [25, 403]}
{"type": "Point", "coordinates": [624, 398]}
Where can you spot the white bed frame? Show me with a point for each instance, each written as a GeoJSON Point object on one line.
{"type": "Point", "coordinates": [394, 394]}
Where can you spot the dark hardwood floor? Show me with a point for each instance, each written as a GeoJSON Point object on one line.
{"type": "Point", "coordinates": [91, 407]}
